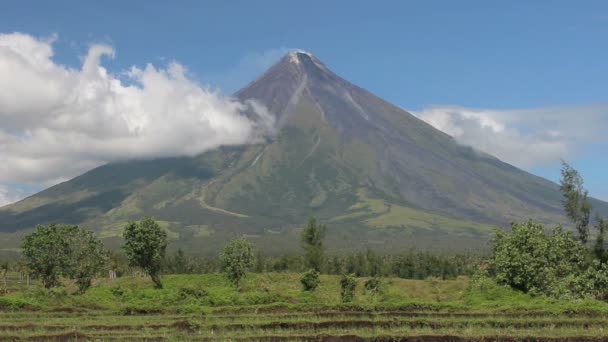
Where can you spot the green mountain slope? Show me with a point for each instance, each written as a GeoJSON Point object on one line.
{"type": "Point", "coordinates": [380, 178]}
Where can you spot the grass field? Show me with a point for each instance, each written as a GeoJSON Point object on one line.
{"type": "Point", "coordinates": [272, 307]}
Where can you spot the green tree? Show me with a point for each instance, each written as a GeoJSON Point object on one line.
{"type": "Point", "coordinates": [348, 285]}
{"type": "Point", "coordinates": [551, 264]}
{"type": "Point", "coordinates": [87, 258]}
{"type": "Point", "coordinates": [599, 249]}
{"type": "Point", "coordinates": [310, 280]}
{"type": "Point", "coordinates": [179, 263]}
{"type": "Point", "coordinates": [47, 252]}
{"type": "Point", "coordinates": [576, 204]}
{"type": "Point", "coordinates": [236, 259]}
{"type": "Point", "coordinates": [312, 242]}
{"type": "Point", "coordinates": [145, 246]}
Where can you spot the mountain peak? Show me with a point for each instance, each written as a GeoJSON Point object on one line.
{"type": "Point", "coordinates": [301, 57]}
{"type": "Point", "coordinates": [295, 55]}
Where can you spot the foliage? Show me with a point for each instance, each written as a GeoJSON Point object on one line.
{"type": "Point", "coordinates": [236, 259]}
{"type": "Point", "coordinates": [145, 246]}
{"type": "Point", "coordinates": [348, 284]}
{"type": "Point", "coordinates": [373, 285]}
{"type": "Point", "coordinates": [45, 254]}
{"type": "Point", "coordinates": [575, 201]}
{"type": "Point", "coordinates": [87, 258]}
{"type": "Point", "coordinates": [599, 250]}
{"type": "Point", "coordinates": [310, 280]}
{"type": "Point", "coordinates": [550, 264]}
{"type": "Point", "coordinates": [64, 250]}
{"type": "Point", "coordinates": [312, 242]}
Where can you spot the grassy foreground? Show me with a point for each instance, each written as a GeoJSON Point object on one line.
{"type": "Point", "coordinates": [272, 307]}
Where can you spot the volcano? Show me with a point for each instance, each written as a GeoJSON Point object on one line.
{"type": "Point", "coordinates": [378, 176]}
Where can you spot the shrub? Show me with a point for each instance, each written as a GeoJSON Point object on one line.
{"type": "Point", "coordinates": [373, 286]}
{"type": "Point", "coordinates": [310, 280]}
{"type": "Point", "coordinates": [117, 291]}
{"type": "Point", "coordinates": [348, 284]}
{"type": "Point", "coordinates": [551, 264]}
{"type": "Point", "coordinates": [190, 292]}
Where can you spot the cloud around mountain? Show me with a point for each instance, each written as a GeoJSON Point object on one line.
{"type": "Point", "coordinates": [59, 121]}
{"type": "Point", "coordinates": [523, 137]}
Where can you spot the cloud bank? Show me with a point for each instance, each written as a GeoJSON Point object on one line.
{"type": "Point", "coordinates": [58, 121]}
{"type": "Point", "coordinates": [523, 137]}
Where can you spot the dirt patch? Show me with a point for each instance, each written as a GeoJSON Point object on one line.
{"type": "Point", "coordinates": [72, 336]}
{"type": "Point", "coordinates": [414, 324]}
{"type": "Point", "coordinates": [67, 309]}
{"type": "Point", "coordinates": [184, 325]}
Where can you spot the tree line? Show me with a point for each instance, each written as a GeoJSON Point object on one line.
{"type": "Point", "coordinates": [57, 251]}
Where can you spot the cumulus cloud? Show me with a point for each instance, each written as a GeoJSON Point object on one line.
{"type": "Point", "coordinates": [523, 137]}
{"type": "Point", "coordinates": [59, 121]}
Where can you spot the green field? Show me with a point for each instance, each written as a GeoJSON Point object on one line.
{"type": "Point", "coordinates": [272, 307]}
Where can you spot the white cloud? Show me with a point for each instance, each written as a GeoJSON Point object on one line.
{"type": "Point", "coordinates": [523, 137]}
{"type": "Point", "coordinates": [58, 121]}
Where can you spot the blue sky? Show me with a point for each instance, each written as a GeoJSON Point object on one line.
{"type": "Point", "coordinates": [510, 69]}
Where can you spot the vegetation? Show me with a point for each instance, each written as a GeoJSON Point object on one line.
{"type": "Point", "coordinates": [145, 246]}
{"type": "Point", "coordinates": [272, 306]}
{"type": "Point", "coordinates": [310, 280]}
{"type": "Point", "coordinates": [64, 250]}
{"type": "Point", "coordinates": [348, 284]}
{"type": "Point", "coordinates": [87, 258]}
{"type": "Point", "coordinates": [538, 276]}
{"type": "Point", "coordinates": [236, 259]}
{"type": "Point", "coordinates": [576, 204]}
{"type": "Point", "coordinates": [312, 242]}
{"type": "Point", "coordinates": [599, 249]}
{"type": "Point", "coordinates": [44, 252]}
{"type": "Point", "coordinates": [550, 264]}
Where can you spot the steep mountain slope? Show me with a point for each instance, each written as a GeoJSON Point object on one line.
{"type": "Point", "coordinates": [379, 176]}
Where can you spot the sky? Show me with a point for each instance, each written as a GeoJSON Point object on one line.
{"type": "Point", "coordinates": [86, 83]}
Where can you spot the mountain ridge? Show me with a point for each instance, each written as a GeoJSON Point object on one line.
{"type": "Point", "coordinates": [380, 176]}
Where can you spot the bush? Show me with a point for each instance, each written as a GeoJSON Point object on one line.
{"type": "Point", "coordinates": [373, 286]}
{"type": "Point", "coordinates": [550, 264]}
{"type": "Point", "coordinates": [348, 284]}
{"type": "Point", "coordinates": [189, 292]}
{"type": "Point", "coordinates": [117, 291]}
{"type": "Point", "coordinates": [310, 280]}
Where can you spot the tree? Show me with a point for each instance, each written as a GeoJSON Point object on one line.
{"type": "Point", "coordinates": [236, 259]}
{"type": "Point", "coordinates": [145, 246]}
{"type": "Point", "coordinates": [599, 249]}
{"type": "Point", "coordinates": [348, 284]}
{"type": "Point", "coordinates": [576, 204]}
{"type": "Point", "coordinates": [551, 264]}
{"type": "Point", "coordinates": [312, 242]}
{"type": "Point", "coordinates": [87, 258]}
{"type": "Point", "coordinates": [5, 266]}
{"type": "Point", "coordinates": [179, 263]}
{"type": "Point", "coordinates": [46, 252]}
{"type": "Point", "coordinates": [310, 280]}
